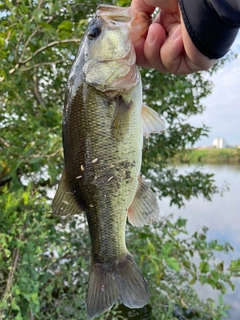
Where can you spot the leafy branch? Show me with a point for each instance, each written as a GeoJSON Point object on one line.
{"type": "Point", "coordinates": [49, 45]}
{"type": "Point", "coordinates": [43, 64]}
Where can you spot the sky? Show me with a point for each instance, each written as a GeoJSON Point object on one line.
{"type": "Point", "coordinates": [222, 113]}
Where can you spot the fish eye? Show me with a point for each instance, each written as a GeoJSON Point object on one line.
{"type": "Point", "coordinates": [94, 33]}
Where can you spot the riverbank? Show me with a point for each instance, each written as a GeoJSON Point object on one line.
{"type": "Point", "coordinates": [221, 156]}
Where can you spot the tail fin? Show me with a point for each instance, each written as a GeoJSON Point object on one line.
{"type": "Point", "coordinates": [112, 283]}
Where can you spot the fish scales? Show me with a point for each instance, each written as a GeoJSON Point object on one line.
{"type": "Point", "coordinates": [92, 126]}
{"type": "Point", "coordinates": [103, 127]}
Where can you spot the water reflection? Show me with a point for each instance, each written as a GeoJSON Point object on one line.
{"type": "Point", "coordinates": [221, 216]}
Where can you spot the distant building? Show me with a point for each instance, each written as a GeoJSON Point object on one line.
{"type": "Point", "coordinates": [219, 143]}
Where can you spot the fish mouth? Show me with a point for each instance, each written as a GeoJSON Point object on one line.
{"type": "Point", "coordinates": [113, 16]}
{"type": "Point", "coordinates": [114, 13]}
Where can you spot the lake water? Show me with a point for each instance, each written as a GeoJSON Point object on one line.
{"type": "Point", "coordinates": [222, 217]}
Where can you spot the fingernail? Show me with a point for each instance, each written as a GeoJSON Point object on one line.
{"type": "Point", "coordinates": [176, 33]}
{"type": "Point", "coordinates": [151, 38]}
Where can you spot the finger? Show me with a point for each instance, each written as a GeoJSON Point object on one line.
{"type": "Point", "coordinates": [172, 50]}
{"type": "Point", "coordinates": [154, 41]}
{"type": "Point", "coordinates": [142, 6]}
{"type": "Point", "coordinates": [140, 57]}
{"type": "Point", "coordinates": [170, 6]}
{"type": "Point", "coordinates": [178, 53]}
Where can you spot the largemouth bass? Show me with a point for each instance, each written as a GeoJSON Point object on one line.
{"type": "Point", "coordinates": [103, 127]}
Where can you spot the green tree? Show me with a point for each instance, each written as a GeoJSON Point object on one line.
{"type": "Point", "coordinates": [44, 261]}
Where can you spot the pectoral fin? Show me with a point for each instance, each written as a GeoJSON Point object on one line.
{"type": "Point", "coordinates": [64, 202]}
{"type": "Point", "coordinates": [151, 121]}
{"type": "Point", "coordinates": [144, 209]}
{"type": "Point", "coordinates": [120, 121]}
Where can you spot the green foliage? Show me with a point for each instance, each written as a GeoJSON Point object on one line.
{"type": "Point", "coordinates": [44, 261]}
{"type": "Point", "coordinates": [173, 261]}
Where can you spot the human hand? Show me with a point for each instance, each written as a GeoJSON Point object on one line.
{"type": "Point", "coordinates": [167, 46]}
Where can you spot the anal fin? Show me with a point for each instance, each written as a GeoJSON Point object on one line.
{"type": "Point", "coordinates": [144, 208]}
{"type": "Point", "coordinates": [64, 202]}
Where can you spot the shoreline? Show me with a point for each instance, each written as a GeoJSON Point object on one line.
{"type": "Point", "coordinates": [211, 156]}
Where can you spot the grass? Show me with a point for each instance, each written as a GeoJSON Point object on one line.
{"type": "Point", "coordinates": [228, 155]}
